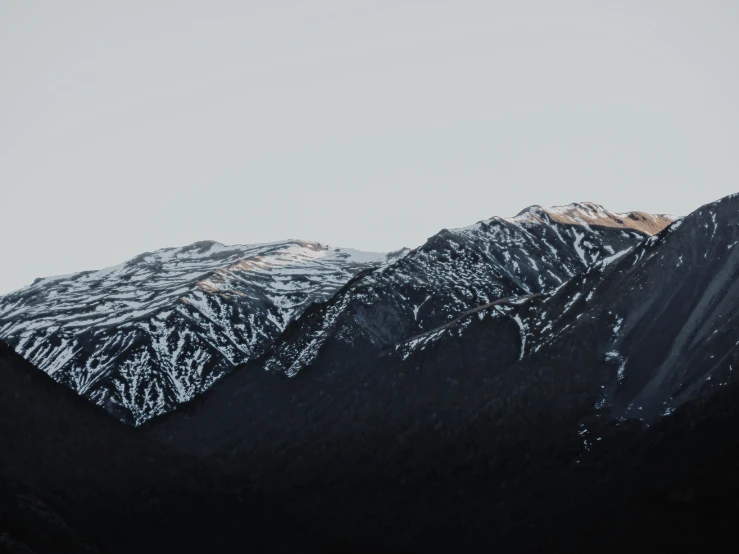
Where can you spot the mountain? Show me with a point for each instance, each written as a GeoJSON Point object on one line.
{"type": "Point", "coordinates": [141, 337]}
{"type": "Point", "coordinates": [513, 415]}
{"type": "Point", "coordinates": [661, 319]}
{"type": "Point", "coordinates": [599, 412]}
{"type": "Point", "coordinates": [456, 270]}
{"type": "Point", "coordinates": [637, 487]}
{"type": "Point", "coordinates": [346, 339]}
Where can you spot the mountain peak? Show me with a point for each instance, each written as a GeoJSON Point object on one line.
{"type": "Point", "coordinates": [590, 213]}
{"type": "Point", "coordinates": [582, 214]}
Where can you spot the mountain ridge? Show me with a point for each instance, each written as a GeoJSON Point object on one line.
{"type": "Point", "coordinates": [479, 269]}
{"type": "Point", "coordinates": [146, 335]}
{"type": "Point", "coordinates": [597, 408]}
{"type": "Point", "coordinates": [476, 422]}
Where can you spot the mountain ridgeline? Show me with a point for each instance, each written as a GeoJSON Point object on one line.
{"type": "Point", "coordinates": [466, 425]}
{"type": "Point", "coordinates": [142, 337]}
{"type": "Point", "coordinates": [458, 270]}
{"type": "Point", "coordinates": [562, 380]}
{"type": "Point", "coordinates": [74, 480]}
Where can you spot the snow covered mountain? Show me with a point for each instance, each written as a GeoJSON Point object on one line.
{"type": "Point", "coordinates": [566, 376]}
{"type": "Point", "coordinates": [491, 415]}
{"type": "Point", "coordinates": [152, 333]}
{"type": "Point", "coordinates": [645, 330]}
{"type": "Point", "coordinates": [456, 270]}
{"type": "Point", "coordinates": [336, 351]}
{"type": "Point", "coordinates": [143, 336]}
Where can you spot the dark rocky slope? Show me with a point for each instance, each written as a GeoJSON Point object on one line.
{"type": "Point", "coordinates": [72, 479]}
{"type": "Point", "coordinates": [343, 338]}
{"type": "Point", "coordinates": [161, 328]}
{"type": "Point", "coordinates": [669, 488]}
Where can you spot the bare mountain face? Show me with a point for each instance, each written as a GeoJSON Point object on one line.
{"type": "Point", "coordinates": [144, 336]}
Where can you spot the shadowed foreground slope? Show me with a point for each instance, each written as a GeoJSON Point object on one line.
{"type": "Point", "coordinates": [72, 479]}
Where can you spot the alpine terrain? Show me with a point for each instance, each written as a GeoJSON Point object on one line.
{"type": "Point", "coordinates": [143, 336]}
{"type": "Point", "coordinates": [453, 435]}
{"type": "Point", "coordinates": [562, 380]}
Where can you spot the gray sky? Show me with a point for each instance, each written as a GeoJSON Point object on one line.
{"type": "Point", "coordinates": [131, 126]}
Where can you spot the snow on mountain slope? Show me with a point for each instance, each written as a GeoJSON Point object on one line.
{"type": "Point", "coordinates": [143, 336]}
{"type": "Point", "coordinates": [420, 340]}
{"type": "Point", "coordinates": [456, 270]}
{"type": "Point", "coordinates": [661, 317]}
{"type": "Point", "coordinates": [644, 330]}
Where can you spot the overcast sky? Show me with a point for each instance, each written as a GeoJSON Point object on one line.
{"type": "Point", "coordinates": [130, 126]}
